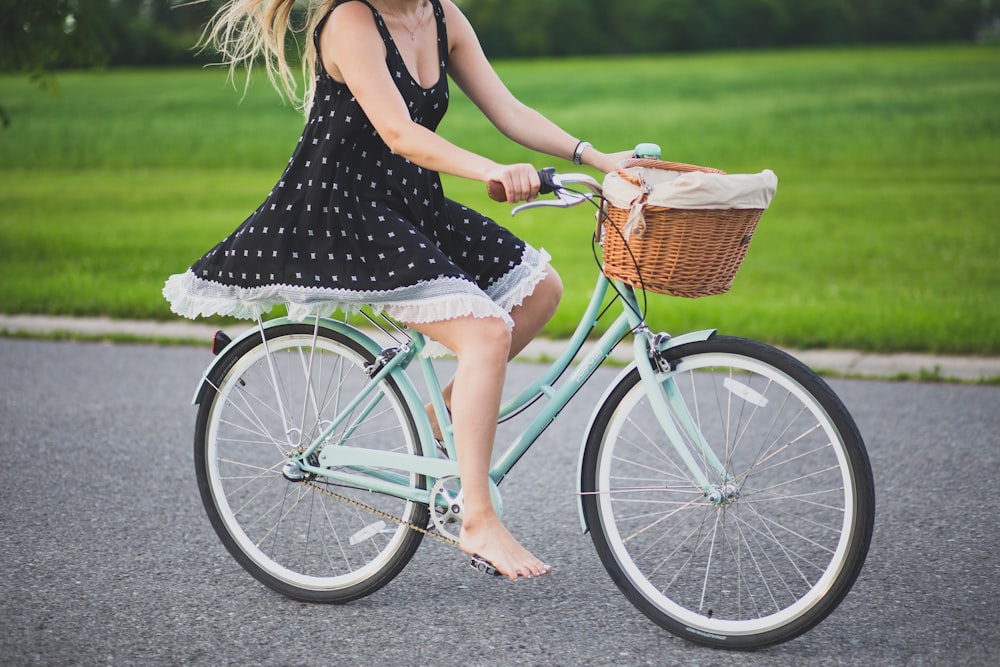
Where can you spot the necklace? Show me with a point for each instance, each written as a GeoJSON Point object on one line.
{"type": "Point", "coordinates": [416, 25]}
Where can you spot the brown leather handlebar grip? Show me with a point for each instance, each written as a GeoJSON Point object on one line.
{"type": "Point", "coordinates": [496, 191]}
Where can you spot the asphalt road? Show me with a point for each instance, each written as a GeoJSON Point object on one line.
{"type": "Point", "coordinates": [107, 557]}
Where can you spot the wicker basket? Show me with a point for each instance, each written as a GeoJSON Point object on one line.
{"type": "Point", "coordinates": [680, 252]}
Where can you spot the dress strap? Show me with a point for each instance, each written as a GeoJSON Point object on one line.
{"type": "Point", "coordinates": [442, 32]}
{"type": "Point", "coordinates": [383, 29]}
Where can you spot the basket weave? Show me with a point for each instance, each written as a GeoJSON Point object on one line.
{"type": "Point", "coordinates": [681, 252]}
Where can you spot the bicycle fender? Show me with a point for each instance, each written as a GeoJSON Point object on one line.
{"type": "Point", "coordinates": [341, 327]}
{"type": "Point", "coordinates": [683, 339]}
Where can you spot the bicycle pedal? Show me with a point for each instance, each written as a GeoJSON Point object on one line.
{"type": "Point", "coordinates": [483, 566]}
{"type": "Point", "coordinates": [442, 449]}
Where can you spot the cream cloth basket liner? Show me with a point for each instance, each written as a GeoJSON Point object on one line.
{"type": "Point", "coordinates": [691, 190]}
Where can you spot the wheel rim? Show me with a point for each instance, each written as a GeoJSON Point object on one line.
{"type": "Point", "coordinates": [292, 532]}
{"type": "Point", "coordinates": [753, 562]}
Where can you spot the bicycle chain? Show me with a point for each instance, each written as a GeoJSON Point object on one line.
{"type": "Point", "coordinates": [380, 513]}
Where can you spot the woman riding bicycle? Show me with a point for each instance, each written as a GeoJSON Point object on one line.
{"type": "Point", "coordinates": [359, 216]}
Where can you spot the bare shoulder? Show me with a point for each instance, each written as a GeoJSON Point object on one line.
{"type": "Point", "coordinates": [349, 23]}
{"type": "Point", "coordinates": [350, 16]}
{"type": "Point", "coordinates": [350, 30]}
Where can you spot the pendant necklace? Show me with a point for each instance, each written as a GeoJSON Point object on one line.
{"type": "Point", "coordinates": [416, 26]}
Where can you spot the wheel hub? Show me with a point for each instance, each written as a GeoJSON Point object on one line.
{"type": "Point", "coordinates": [293, 472]}
{"type": "Point", "coordinates": [724, 494]}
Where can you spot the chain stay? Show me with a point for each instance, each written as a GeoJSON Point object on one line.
{"type": "Point", "coordinates": [379, 513]}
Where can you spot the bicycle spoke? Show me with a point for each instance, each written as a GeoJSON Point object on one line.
{"type": "Point", "coordinates": [762, 551]}
{"type": "Point", "coordinates": [270, 400]}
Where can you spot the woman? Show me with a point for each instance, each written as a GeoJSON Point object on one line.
{"type": "Point", "coordinates": [359, 216]}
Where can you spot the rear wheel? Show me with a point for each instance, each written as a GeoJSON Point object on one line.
{"type": "Point", "coordinates": [779, 537]}
{"type": "Point", "coordinates": [266, 401]}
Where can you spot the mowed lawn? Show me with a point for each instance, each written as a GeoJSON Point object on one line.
{"type": "Point", "coordinates": [884, 233]}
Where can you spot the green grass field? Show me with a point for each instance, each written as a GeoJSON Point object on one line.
{"type": "Point", "coordinates": [883, 235]}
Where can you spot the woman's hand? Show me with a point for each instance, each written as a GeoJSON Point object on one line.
{"type": "Point", "coordinates": [605, 162]}
{"type": "Point", "coordinates": [520, 183]}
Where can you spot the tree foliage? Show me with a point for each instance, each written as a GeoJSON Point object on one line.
{"type": "Point", "coordinates": [40, 35]}
{"type": "Point", "coordinates": [563, 27]}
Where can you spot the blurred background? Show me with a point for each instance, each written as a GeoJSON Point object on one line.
{"type": "Point", "coordinates": [43, 34]}
{"type": "Point", "coordinates": [124, 157]}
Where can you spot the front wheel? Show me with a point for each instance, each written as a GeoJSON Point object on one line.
{"type": "Point", "coordinates": [307, 538]}
{"type": "Point", "coordinates": [775, 539]}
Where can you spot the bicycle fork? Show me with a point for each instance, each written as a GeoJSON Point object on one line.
{"type": "Point", "coordinates": [676, 420]}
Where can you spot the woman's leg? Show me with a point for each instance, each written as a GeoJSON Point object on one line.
{"type": "Point", "coordinates": [529, 319]}
{"type": "Point", "coordinates": [482, 346]}
{"type": "Point", "coordinates": [535, 312]}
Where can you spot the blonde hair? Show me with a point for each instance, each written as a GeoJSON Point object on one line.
{"type": "Point", "coordinates": [243, 31]}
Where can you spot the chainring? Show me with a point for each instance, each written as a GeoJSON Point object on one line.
{"type": "Point", "coordinates": [447, 506]}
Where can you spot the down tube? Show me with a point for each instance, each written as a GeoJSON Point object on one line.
{"type": "Point", "coordinates": [558, 398]}
{"type": "Point", "coordinates": [573, 346]}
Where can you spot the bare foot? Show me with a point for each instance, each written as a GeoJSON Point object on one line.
{"type": "Point", "coordinates": [490, 540]}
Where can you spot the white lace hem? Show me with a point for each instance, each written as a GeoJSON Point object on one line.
{"type": "Point", "coordinates": [430, 301]}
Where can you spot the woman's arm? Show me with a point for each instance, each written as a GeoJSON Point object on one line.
{"type": "Point", "coordinates": [470, 69]}
{"type": "Point", "coordinates": [353, 52]}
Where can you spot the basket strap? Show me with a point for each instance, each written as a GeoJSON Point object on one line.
{"type": "Point", "coordinates": [667, 166]}
{"type": "Point", "coordinates": [658, 164]}
{"type": "Point", "coordinates": [636, 221]}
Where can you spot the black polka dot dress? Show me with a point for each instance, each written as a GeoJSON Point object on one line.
{"type": "Point", "coordinates": [352, 224]}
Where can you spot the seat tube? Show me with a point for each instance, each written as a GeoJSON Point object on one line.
{"type": "Point", "coordinates": [435, 395]}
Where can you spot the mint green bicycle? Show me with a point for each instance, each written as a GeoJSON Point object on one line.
{"type": "Point", "coordinates": [726, 487]}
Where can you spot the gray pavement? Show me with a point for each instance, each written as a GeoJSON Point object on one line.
{"type": "Point", "coordinates": [838, 362]}
{"type": "Point", "coordinates": [108, 558]}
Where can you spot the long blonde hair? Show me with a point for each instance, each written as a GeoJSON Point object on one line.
{"type": "Point", "coordinates": [243, 31]}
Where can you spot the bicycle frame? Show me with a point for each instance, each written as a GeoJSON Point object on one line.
{"type": "Point", "coordinates": [392, 473]}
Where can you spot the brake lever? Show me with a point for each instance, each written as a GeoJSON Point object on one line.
{"type": "Point", "coordinates": [564, 199]}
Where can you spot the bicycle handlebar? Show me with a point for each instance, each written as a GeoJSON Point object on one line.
{"type": "Point", "coordinates": [552, 182]}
